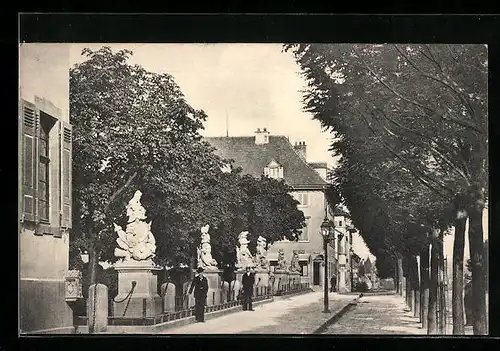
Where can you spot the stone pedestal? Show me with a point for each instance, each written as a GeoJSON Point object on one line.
{"type": "Point", "coordinates": [281, 280]}
{"type": "Point", "coordinates": [214, 278]}
{"type": "Point", "coordinates": [144, 300]}
{"type": "Point", "coordinates": [263, 283]}
{"type": "Point", "coordinates": [294, 279]}
{"type": "Point", "coordinates": [239, 275]}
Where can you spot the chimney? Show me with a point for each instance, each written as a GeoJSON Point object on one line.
{"type": "Point", "coordinates": [261, 136]}
{"type": "Point", "coordinates": [300, 148]}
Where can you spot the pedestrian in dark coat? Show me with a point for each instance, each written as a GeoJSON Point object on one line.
{"type": "Point", "coordinates": [200, 287]}
{"type": "Point", "coordinates": [333, 283]}
{"type": "Point", "coordinates": [248, 282]}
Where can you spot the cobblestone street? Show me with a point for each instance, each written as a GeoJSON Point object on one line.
{"type": "Point", "coordinates": [290, 315]}
{"type": "Point", "coordinates": [378, 314]}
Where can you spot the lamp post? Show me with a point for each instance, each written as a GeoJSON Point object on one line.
{"type": "Point", "coordinates": [325, 231]}
{"type": "Point", "coordinates": [84, 255]}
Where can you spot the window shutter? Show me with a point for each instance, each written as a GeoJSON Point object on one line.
{"type": "Point", "coordinates": [29, 120]}
{"type": "Point", "coordinates": [66, 176]}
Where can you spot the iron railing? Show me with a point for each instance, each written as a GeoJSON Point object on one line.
{"type": "Point", "coordinates": [291, 288]}
{"type": "Point", "coordinates": [182, 308]}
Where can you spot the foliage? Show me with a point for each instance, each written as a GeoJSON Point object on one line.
{"type": "Point", "coordinates": [393, 133]}
{"type": "Point", "coordinates": [133, 129]}
{"type": "Point", "coordinates": [410, 123]}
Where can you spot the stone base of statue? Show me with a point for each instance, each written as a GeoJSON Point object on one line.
{"type": "Point", "coordinates": [281, 280]}
{"type": "Point", "coordinates": [144, 300]}
{"type": "Point", "coordinates": [261, 280]}
{"type": "Point", "coordinates": [294, 279]}
{"type": "Point", "coordinates": [214, 277]}
{"type": "Point", "coordinates": [239, 275]}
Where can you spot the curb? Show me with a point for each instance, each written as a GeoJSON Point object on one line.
{"type": "Point", "coordinates": [337, 315]}
{"type": "Point", "coordinates": [284, 297]}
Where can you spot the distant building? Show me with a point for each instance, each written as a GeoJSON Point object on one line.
{"type": "Point", "coordinates": [44, 200]}
{"type": "Point", "coordinates": [275, 157]}
{"type": "Point", "coordinates": [343, 231]}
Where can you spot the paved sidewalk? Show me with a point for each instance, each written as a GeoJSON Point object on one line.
{"type": "Point", "coordinates": [378, 314]}
{"type": "Point", "coordinates": [294, 315]}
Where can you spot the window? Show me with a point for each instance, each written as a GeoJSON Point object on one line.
{"type": "Point", "coordinates": [43, 155]}
{"type": "Point", "coordinates": [273, 170]}
{"type": "Point", "coordinates": [304, 234]}
{"type": "Point", "coordinates": [44, 167]}
{"type": "Point", "coordinates": [303, 198]}
{"type": "Point", "coordinates": [340, 223]}
{"type": "Point", "coordinates": [304, 268]}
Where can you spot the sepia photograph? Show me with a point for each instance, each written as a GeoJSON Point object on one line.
{"type": "Point", "coordinates": [253, 188]}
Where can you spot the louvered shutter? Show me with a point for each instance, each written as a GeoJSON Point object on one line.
{"type": "Point", "coordinates": [29, 120]}
{"type": "Point", "coordinates": [66, 176]}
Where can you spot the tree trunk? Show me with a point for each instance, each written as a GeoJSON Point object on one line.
{"type": "Point", "coordinates": [415, 286]}
{"type": "Point", "coordinates": [396, 276]}
{"type": "Point", "coordinates": [457, 298]}
{"type": "Point", "coordinates": [400, 276]}
{"type": "Point", "coordinates": [424, 286]}
{"type": "Point", "coordinates": [408, 282]}
{"type": "Point", "coordinates": [93, 262]}
{"type": "Point", "coordinates": [442, 296]}
{"type": "Point", "coordinates": [476, 246]}
{"type": "Point", "coordinates": [433, 287]}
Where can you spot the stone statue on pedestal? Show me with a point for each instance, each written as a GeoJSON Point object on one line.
{"type": "Point", "coordinates": [205, 259]}
{"type": "Point", "coordinates": [294, 264]}
{"type": "Point", "coordinates": [261, 256]}
{"type": "Point", "coordinates": [243, 255]}
{"type": "Point", "coordinates": [136, 243]}
{"type": "Point", "coordinates": [281, 261]}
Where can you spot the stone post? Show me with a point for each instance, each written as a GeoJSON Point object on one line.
{"type": "Point", "coordinates": [168, 291]}
{"type": "Point", "coordinates": [97, 308]}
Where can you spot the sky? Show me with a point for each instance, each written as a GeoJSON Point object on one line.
{"type": "Point", "coordinates": [249, 85]}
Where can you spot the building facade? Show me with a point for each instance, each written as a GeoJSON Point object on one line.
{"type": "Point", "coordinates": [276, 157]}
{"type": "Point", "coordinates": [44, 198]}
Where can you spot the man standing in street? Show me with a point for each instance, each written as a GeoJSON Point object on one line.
{"type": "Point", "coordinates": [333, 283]}
{"type": "Point", "coordinates": [248, 281]}
{"type": "Point", "coordinates": [200, 287]}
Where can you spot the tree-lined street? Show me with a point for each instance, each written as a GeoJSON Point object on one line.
{"type": "Point", "coordinates": [407, 126]}
{"type": "Point", "coordinates": [410, 127]}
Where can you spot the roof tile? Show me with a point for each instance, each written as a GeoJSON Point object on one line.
{"type": "Point", "coordinates": [253, 158]}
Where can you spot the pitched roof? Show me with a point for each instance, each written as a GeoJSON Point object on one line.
{"type": "Point", "coordinates": [318, 164]}
{"type": "Point", "coordinates": [253, 158]}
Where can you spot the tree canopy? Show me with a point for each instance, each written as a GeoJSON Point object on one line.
{"type": "Point", "coordinates": [134, 129]}
{"type": "Point", "coordinates": [410, 125]}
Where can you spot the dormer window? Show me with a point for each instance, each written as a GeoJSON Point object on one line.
{"type": "Point", "coordinates": [273, 170]}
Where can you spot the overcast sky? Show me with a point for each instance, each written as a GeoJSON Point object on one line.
{"type": "Point", "coordinates": [255, 85]}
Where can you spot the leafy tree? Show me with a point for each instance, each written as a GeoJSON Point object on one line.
{"type": "Point", "coordinates": [133, 130]}
{"type": "Point", "coordinates": [425, 105]}
{"type": "Point", "coordinates": [265, 209]}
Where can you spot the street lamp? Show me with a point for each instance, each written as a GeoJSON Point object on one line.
{"type": "Point", "coordinates": [325, 232]}
{"type": "Point", "coordinates": [84, 255]}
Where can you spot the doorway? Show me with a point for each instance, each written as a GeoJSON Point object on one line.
{"type": "Point", "coordinates": [316, 273]}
